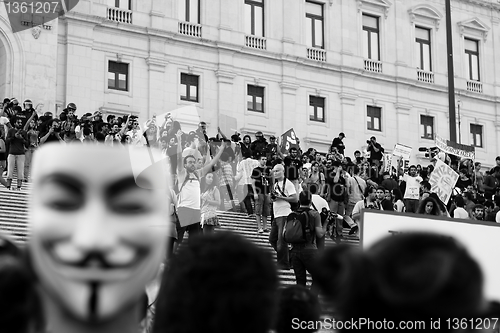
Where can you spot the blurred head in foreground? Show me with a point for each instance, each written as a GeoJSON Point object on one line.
{"type": "Point", "coordinates": [411, 276]}
{"type": "Point", "coordinates": [20, 307]}
{"type": "Point", "coordinates": [217, 283]}
{"type": "Point", "coordinates": [98, 228]}
{"type": "Point", "coordinates": [296, 305]}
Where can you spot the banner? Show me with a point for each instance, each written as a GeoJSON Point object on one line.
{"type": "Point", "coordinates": [456, 149]}
{"type": "Point", "coordinates": [228, 125]}
{"type": "Point", "coordinates": [479, 238]}
{"type": "Point", "coordinates": [443, 180]}
{"type": "Point", "coordinates": [402, 151]}
{"type": "Point", "coordinates": [288, 140]}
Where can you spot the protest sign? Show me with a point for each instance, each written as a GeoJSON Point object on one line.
{"type": "Point", "coordinates": [443, 180]}
{"type": "Point", "coordinates": [402, 151]}
{"type": "Point", "coordinates": [388, 163]}
{"type": "Point", "coordinates": [228, 125]}
{"type": "Point", "coordinates": [479, 238]}
{"type": "Point", "coordinates": [288, 140]}
{"type": "Point", "coordinates": [454, 148]}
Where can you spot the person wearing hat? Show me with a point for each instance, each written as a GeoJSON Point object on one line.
{"type": "Point", "coordinates": [337, 143]}
{"type": "Point", "coordinates": [272, 148]}
{"type": "Point", "coordinates": [259, 146]}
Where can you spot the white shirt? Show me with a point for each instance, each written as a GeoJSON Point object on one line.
{"type": "Point", "coordinates": [282, 208]}
{"type": "Point", "coordinates": [319, 203]}
{"type": "Point", "coordinates": [412, 186]}
{"type": "Point", "coordinates": [4, 120]}
{"type": "Point", "coordinates": [461, 213]}
{"type": "Point", "coordinates": [137, 139]}
{"type": "Point", "coordinates": [190, 194]}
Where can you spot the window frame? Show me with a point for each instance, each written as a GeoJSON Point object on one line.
{"type": "Point", "coordinates": [254, 97]}
{"type": "Point", "coordinates": [474, 143]}
{"type": "Point", "coordinates": [371, 30]}
{"type": "Point", "coordinates": [117, 4]}
{"type": "Point", "coordinates": [186, 5]}
{"type": "Point", "coordinates": [127, 74]}
{"type": "Point", "coordinates": [188, 89]}
{"type": "Point", "coordinates": [423, 135]}
{"type": "Point", "coordinates": [379, 109]}
{"type": "Point", "coordinates": [253, 4]}
{"type": "Point", "coordinates": [312, 102]}
{"type": "Point", "coordinates": [311, 19]}
{"type": "Point", "coordinates": [420, 43]}
{"type": "Point", "coordinates": [469, 55]}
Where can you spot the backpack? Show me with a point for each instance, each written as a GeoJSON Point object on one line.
{"type": "Point", "coordinates": [297, 229]}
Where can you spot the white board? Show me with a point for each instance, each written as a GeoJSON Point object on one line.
{"type": "Point", "coordinates": [480, 238]}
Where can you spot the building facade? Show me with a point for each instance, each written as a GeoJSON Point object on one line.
{"type": "Point", "coordinates": [362, 67]}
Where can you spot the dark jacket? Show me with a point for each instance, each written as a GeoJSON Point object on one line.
{"type": "Point", "coordinates": [16, 145]}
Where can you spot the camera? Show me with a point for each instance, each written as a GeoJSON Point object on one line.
{"type": "Point", "coordinates": [273, 196]}
{"type": "Point", "coordinates": [368, 141]}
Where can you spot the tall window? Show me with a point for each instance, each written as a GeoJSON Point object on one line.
{"type": "Point", "coordinates": [472, 58]}
{"type": "Point", "coordinates": [371, 49]}
{"type": "Point", "coordinates": [189, 10]}
{"type": "Point", "coordinates": [317, 108]}
{"type": "Point", "coordinates": [373, 118]}
{"type": "Point", "coordinates": [189, 87]}
{"type": "Point", "coordinates": [476, 133]}
{"type": "Point", "coordinates": [427, 127]}
{"type": "Point", "coordinates": [423, 48]}
{"type": "Point", "coordinates": [123, 4]}
{"type": "Point", "coordinates": [255, 98]}
{"type": "Point", "coordinates": [117, 76]}
{"type": "Point", "coordinates": [254, 17]}
{"type": "Point", "coordinates": [314, 25]}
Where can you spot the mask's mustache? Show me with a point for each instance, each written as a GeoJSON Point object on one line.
{"type": "Point", "coordinates": [94, 259]}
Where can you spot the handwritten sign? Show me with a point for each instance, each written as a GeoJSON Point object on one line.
{"type": "Point", "coordinates": [288, 140]}
{"type": "Point", "coordinates": [455, 148]}
{"type": "Point", "coordinates": [388, 163]}
{"type": "Point", "coordinates": [402, 151]}
{"type": "Point", "coordinates": [443, 180]}
{"type": "Point", "coordinates": [479, 238]}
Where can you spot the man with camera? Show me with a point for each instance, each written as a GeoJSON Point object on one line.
{"type": "Point", "coordinates": [376, 151]}
{"type": "Point", "coordinates": [17, 139]}
{"type": "Point", "coordinates": [282, 196]}
{"type": "Point", "coordinates": [53, 134]}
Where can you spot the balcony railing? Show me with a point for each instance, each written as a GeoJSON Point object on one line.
{"type": "Point", "coordinates": [119, 15]}
{"type": "Point", "coordinates": [316, 54]}
{"type": "Point", "coordinates": [255, 42]}
{"type": "Point", "coordinates": [427, 77]}
{"type": "Point", "coordinates": [475, 86]}
{"type": "Point", "coordinates": [373, 66]}
{"type": "Point", "coordinates": [190, 29]}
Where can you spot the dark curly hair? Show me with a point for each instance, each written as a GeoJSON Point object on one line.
{"type": "Point", "coordinates": [217, 283]}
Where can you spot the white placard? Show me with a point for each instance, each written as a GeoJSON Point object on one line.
{"type": "Point", "coordinates": [480, 238]}
{"type": "Point", "coordinates": [443, 180]}
{"type": "Point", "coordinates": [402, 151]}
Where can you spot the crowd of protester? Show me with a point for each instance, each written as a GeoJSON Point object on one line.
{"type": "Point", "coordinates": [254, 176]}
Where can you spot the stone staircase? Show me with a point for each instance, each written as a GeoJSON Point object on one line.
{"type": "Point", "coordinates": [14, 218]}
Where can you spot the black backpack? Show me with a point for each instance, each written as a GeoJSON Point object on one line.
{"type": "Point", "coordinates": [297, 228]}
